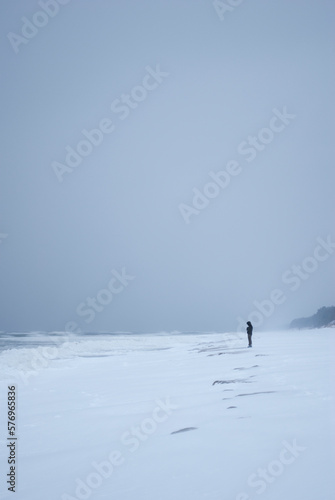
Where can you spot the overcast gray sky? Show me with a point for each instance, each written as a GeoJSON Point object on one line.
{"type": "Point", "coordinates": [210, 177]}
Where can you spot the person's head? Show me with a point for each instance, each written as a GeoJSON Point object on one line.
{"type": "Point", "coordinates": [248, 323]}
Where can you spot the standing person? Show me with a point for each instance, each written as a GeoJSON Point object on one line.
{"type": "Point", "coordinates": [249, 332]}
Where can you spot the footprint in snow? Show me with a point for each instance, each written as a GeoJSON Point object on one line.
{"type": "Point", "coordinates": [184, 430]}
{"type": "Point", "coordinates": [246, 367]}
{"type": "Point", "coordinates": [242, 380]}
{"type": "Point", "coordinates": [254, 393]}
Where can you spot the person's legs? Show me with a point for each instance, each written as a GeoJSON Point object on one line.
{"type": "Point", "coordinates": [250, 340]}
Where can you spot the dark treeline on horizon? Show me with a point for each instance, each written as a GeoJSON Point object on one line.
{"type": "Point", "coordinates": [323, 317]}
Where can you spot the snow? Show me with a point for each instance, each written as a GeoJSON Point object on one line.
{"type": "Point", "coordinates": [172, 417]}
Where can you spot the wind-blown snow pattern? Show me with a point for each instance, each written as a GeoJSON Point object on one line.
{"type": "Point", "coordinates": [171, 416]}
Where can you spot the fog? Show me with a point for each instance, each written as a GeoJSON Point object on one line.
{"type": "Point", "coordinates": [166, 164]}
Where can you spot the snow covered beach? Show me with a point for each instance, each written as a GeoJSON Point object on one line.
{"type": "Point", "coordinates": [196, 416]}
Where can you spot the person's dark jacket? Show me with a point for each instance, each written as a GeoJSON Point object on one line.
{"type": "Point", "coordinates": [249, 329]}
